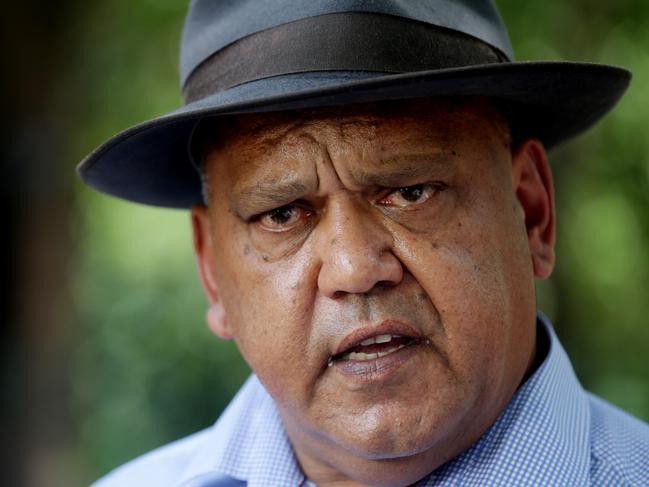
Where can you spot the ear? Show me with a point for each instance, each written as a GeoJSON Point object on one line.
{"type": "Point", "coordinates": [532, 180]}
{"type": "Point", "coordinates": [204, 253]}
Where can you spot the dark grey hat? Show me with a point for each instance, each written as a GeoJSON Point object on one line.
{"type": "Point", "coordinates": [243, 56]}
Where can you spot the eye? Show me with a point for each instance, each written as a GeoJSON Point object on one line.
{"type": "Point", "coordinates": [411, 195]}
{"type": "Point", "coordinates": [282, 218]}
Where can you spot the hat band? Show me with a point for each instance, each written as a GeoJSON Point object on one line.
{"type": "Point", "coordinates": [350, 41]}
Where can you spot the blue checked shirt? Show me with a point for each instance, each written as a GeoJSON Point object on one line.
{"type": "Point", "coordinates": [552, 433]}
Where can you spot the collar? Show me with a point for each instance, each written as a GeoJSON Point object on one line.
{"type": "Point", "coordinates": [248, 443]}
{"type": "Point", "coordinates": [541, 438]}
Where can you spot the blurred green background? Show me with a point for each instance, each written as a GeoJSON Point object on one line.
{"type": "Point", "coordinates": [106, 354]}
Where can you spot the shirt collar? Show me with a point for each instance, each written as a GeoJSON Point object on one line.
{"type": "Point", "coordinates": [247, 443]}
{"type": "Point", "coordinates": [542, 436]}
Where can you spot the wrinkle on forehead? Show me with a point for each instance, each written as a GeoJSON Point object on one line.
{"type": "Point", "coordinates": [261, 136]}
{"type": "Point", "coordinates": [268, 144]}
{"type": "Point", "coordinates": [269, 128]}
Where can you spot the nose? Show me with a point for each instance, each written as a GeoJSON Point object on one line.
{"type": "Point", "coordinates": [356, 252]}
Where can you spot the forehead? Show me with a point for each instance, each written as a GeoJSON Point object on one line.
{"type": "Point", "coordinates": [248, 150]}
{"type": "Point", "coordinates": [257, 141]}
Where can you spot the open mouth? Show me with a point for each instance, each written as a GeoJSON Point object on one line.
{"type": "Point", "coordinates": [374, 347]}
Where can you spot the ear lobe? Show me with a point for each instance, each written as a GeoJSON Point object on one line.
{"type": "Point", "coordinates": [534, 189]}
{"type": "Point", "coordinates": [217, 321]}
{"type": "Point", "coordinates": [204, 254]}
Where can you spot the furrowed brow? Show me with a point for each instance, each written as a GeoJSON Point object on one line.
{"type": "Point", "coordinates": [405, 170]}
{"type": "Point", "coordinates": [268, 194]}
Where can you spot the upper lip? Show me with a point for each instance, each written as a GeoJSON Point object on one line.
{"type": "Point", "coordinates": [387, 327]}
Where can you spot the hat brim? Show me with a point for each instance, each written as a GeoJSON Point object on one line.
{"type": "Point", "coordinates": [149, 162]}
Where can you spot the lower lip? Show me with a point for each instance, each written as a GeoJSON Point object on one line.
{"type": "Point", "coordinates": [380, 368]}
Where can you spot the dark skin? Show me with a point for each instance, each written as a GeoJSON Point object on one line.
{"type": "Point", "coordinates": [415, 219]}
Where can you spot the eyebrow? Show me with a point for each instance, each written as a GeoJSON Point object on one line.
{"type": "Point", "coordinates": [394, 172]}
{"type": "Point", "coordinates": [403, 170]}
{"type": "Point", "coordinates": [267, 194]}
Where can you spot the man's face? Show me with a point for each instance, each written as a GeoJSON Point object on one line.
{"type": "Point", "coordinates": [374, 268]}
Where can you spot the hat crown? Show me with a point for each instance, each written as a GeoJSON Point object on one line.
{"type": "Point", "coordinates": [211, 25]}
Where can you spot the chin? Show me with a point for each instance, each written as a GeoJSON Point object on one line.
{"type": "Point", "coordinates": [386, 460]}
{"type": "Point", "coordinates": [388, 437]}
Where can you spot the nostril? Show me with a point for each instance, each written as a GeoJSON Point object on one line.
{"type": "Point", "coordinates": [385, 284]}
{"type": "Point", "coordinates": [338, 294]}
{"type": "Point", "coordinates": [380, 285]}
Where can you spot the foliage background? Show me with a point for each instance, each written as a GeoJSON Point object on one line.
{"type": "Point", "coordinates": [138, 367]}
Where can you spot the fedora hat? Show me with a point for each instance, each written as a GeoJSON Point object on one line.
{"type": "Point", "coordinates": [245, 56]}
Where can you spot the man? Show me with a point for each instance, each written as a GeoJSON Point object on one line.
{"type": "Point", "coordinates": [370, 241]}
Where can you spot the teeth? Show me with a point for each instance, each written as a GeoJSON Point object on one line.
{"type": "Point", "coordinates": [360, 356]}
{"type": "Point", "coordinates": [382, 354]}
{"type": "Point", "coordinates": [377, 339]}
{"type": "Point", "coordinates": [383, 338]}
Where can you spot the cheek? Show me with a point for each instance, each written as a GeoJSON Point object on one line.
{"type": "Point", "coordinates": [471, 280]}
{"type": "Point", "coordinates": [268, 309]}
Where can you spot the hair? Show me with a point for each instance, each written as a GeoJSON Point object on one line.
{"type": "Point", "coordinates": [201, 141]}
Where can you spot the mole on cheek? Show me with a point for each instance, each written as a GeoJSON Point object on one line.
{"type": "Point", "coordinates": [265, 258]}
{"type": "Point", "coordinates": [434, 245]}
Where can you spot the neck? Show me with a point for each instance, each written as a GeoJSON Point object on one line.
{"type": "Point", "coordinates": [330, 465]}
